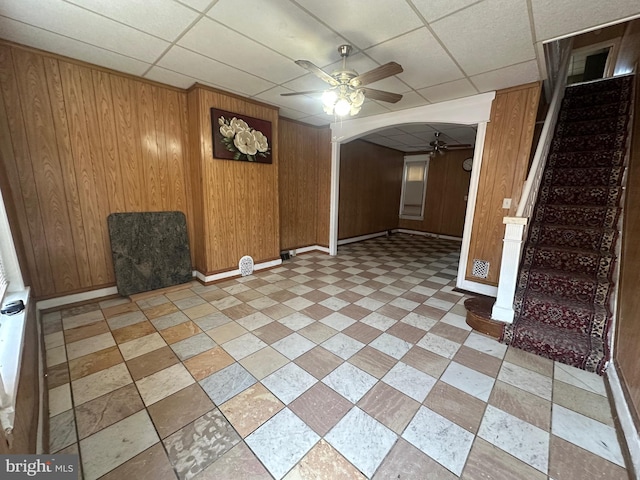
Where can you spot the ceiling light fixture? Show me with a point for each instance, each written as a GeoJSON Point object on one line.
{"type": "Point", "coordinates": [347, 92]}
{"type": "Point", "coordinates": [342, 100]}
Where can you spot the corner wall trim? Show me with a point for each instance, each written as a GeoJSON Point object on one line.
{"type": "Point", "coordinates": [625, 418]}
{"type": "Point", "coordinates": [75, 298]}
{"type": "Point", "coordinates": [311, 248]}
{"type": "Point", "coordinates": [235, 273]}
{"type": "Point", "coordinates": [360, 238]}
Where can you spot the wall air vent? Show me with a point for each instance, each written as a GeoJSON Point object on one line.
{"type": "Point", "coordinates": [245, 265]}
{"type": "Point", "coordinates": [480, 268]}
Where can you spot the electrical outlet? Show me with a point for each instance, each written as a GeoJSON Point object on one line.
{"type": "Point", "coordinates": [506, 203]}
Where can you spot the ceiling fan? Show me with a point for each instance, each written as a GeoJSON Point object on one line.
{"type": "Point", "coordinates": [440, 146]}
{"type": "Point", "coordinates": [347, 89]}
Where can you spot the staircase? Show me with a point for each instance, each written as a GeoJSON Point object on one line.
{"type": "Point", "coordinates": [562, 299]}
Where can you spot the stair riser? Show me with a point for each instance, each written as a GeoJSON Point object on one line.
{"type": "Point", "coordinates": [564, 237]}
{"type": "Point", "coordinates": [596, 98]}
{"type": "Point", "coordinates": [589, 264]}
{"type": "Point", "coordinates": [589, 143]}
{"type": "Point", "coordinates": [594, 127]}
{"type": "Point", "coordinates": [592, 292]}
{"type": "Point", "coordinates": [595, 196]}
{"type": "Point", "coordinates": [593, 112]}
{"type": "Point", "coordinates": [611, 84]}
{"type": "Point", "coordinates": [583, 177]}
{"type": "Point", "coordinates": [603, 217]}
{"type": "Point", "coordinates": [586, 159]}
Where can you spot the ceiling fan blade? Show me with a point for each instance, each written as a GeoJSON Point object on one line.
{"type": "Point", "coordinates": [317, 71]}
{"type": "Point", "coordinates": [381, 95]}
{"type": "Point", "coordinates": [383, 71]}
{"type": "Point", "coordinates": [460, 147]}
{"type": "Point", "coordinates": [307, 92]}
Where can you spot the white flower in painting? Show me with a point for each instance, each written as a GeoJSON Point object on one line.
{"type": "Point", "coordinates": [262, 144]}
{"type": "Point", "coordinates": [239, 125]}
{"type": "Point", "coordinates": [245, 142]}
{"type": "Point", "coordinates": [222, 121]}
{"type": "Point", "coordinates": [227, 131]}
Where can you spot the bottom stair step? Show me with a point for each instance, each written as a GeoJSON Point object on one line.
{"type": "Point", "coordinates": [566, 346]}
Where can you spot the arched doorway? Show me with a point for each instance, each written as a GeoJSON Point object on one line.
{"type": "Point", "coordinates": [467, 111]}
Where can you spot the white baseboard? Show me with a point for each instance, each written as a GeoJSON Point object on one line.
{"type": "Point", "coordinates": [360, 238]}
{"type": "Point", "coordinates": [625, 418]}
{"type": "Point", "coordinates": [311, 248]}
{"type": "Point", "coordinates": [235, 273]}
{"type": "Point", "coordinates": [75, 298]}
{"type": "Point", "coordinates": [426, 234]}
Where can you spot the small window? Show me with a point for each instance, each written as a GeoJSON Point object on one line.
{"type": "Point", "coordinates": [414, 187]}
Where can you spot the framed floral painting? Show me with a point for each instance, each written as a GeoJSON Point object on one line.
{"type": "Point", "coordinates": [238, 137]}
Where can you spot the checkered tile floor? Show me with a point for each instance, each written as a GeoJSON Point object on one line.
{"type": "Point", "coordinates": [347, 367]}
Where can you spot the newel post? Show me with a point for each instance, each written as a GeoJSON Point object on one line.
{"type": "Point", "coordinates": [503, 307]}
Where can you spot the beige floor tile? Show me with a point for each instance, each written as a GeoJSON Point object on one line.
{"type": "Point", "coordinates": [99, 383]}
{"type": "Point", "coordinates": [137, 330]}
{"type": "Point", "coordinates": [524, 405]}
{"type": "Point", "coordinates": [528, 360]}
{"type": "Point", "coordinates": [59, 399]}
{"type": "Point", "coordinates": [208, 362]}
{"type": "Point", "coordinates": [488, 461]}
{"type": "Point", "coordinates": [94, 362]}
{"type": "Point", "coordinates": [264, 362]}
{"type": "Point", "coordinates": [114, 445]}
{"type": "Point", "coordinates": [152, 362]}
{"type": "Point", "coordinates": [80, 333]}
{"type": "Point", "coordinates": [180, 332]}
{"type": "Point", "coordinates": [152, 464]}
{"type": "Point", "coordinates": [141, 345]}
{"type": "Point", "coordinates": [226, 332]}
{"type": "Point", "coordinates": [459, 407]}
{"type": "Point", "coordinates": [582, 401]}
{"type": "Point", "coordinates": [251, 408]}
{"type": "Point", "coordinates": [157, 386]}
{"type": "Point", "coordinates": [323, 462]}
{"type": "Point", "coordinates": [89, 345]}
{"type": "Point", "coordinates": [570, 462]}
{"type": "Point", "coordinates": [175, 411]}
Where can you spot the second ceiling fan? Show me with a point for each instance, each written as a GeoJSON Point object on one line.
{"type": "Point", "coordinates": [440, 146]}
{"type": "Point", "coordinates": [347, 89]}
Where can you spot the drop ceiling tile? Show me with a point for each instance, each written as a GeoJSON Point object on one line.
{"type": "Point", "coordinates": [167, 19]}
{"type": "Point", "coordinates": [199, 5]}
{"type": "Point", "coordinates": [497, 33]}
{"type": "Point", "coordinates": [406, 138]}
{"type": "Point", "coordinates": [302, 103]}
{"type": "Point", "coordinates": [74, 22]}
{"type": "Point", "coordinates": [318, 120]}
{"type": "Point", "coordinates": [460, 135]}
{"type": "Point", "coordinates": [424, 61]}
{"type": "Point", "coordinates": [36, 37]}
{"type": "Point", "coordinates": [282, 26]}
{"type": "Point", "coordinates": [432, 11]}
{"type": "Point", "coordinates": [305, 83]}
{"type": "Point", "coordinates": [448, 91]}
{"type": "Point", "coordinates": [362, 64]}
{"type": "Point", "coordinates": [162, 75]}
{"type": "Point", "coordinates": [553, 19]}
{"type": "Point", "coordinates": [507, 77]}
{"type": "Point", "coordinates": [218, 42]}
{"type": "Point", "coordinates": [416, 128]}
{"type": "Point", "coordinates": [205, 69]}
{"type": "Point", "coordinates": [409, 100]}
{"type": "Point", "coordinates": [365, 23]}
{"type": "Point", "coordinates": [292, 114]}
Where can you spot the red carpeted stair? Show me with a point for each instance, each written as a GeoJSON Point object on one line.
{"type": "Point", "coordinates": [566, 272]}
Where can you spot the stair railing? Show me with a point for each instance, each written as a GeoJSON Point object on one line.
{"type": "Point", "coordinates": [516, 226]}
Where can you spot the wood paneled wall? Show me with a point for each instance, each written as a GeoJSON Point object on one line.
{"type": "Point", "coordinates": [445, 201]}
{"type": "Point", "coordinates": [25, 429]}
{"type": "Point", "coordinates": [304, 176]}
{"type": "Point", "coordinates": [370, 186]}
{"type": "Point", "coordinates": [505, 159]}
{"type": "Point", "coordinates": [236, 203]}
{"type": "Point", "coordinates": [324, 187]}
{"type": "Point", "coordinates": [79, 143]}
{"type": "Point", "coordinates": [628, 321]}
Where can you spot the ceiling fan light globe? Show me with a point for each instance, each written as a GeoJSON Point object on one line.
{"type": "Point", "coordinates": [342, 107]}
{"type": "Point", "coordinates": [354, 110]}
{"type": "Point", "coordinates": [329, 98]}
{"type": "Point", "coordinates": [328, 109]}
{"type": "Point", "coordinates": [357, 98]}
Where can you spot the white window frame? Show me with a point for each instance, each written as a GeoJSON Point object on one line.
{"type": "Point", "coordinates": [408, 160]}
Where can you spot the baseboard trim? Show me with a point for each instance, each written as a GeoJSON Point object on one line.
{"type": "Point", "coordinates": [426, 234]}
{"type": "Point", "coordinates": [311, 248]}
{"type": "Point", "coordinates": [360, 238]}
{"type": "Point", "coordinates": [76, 298]}
{"type": "Point", "coordinates": [236, 272]}
{"type": "Point", "coordinates": [625, 419]}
